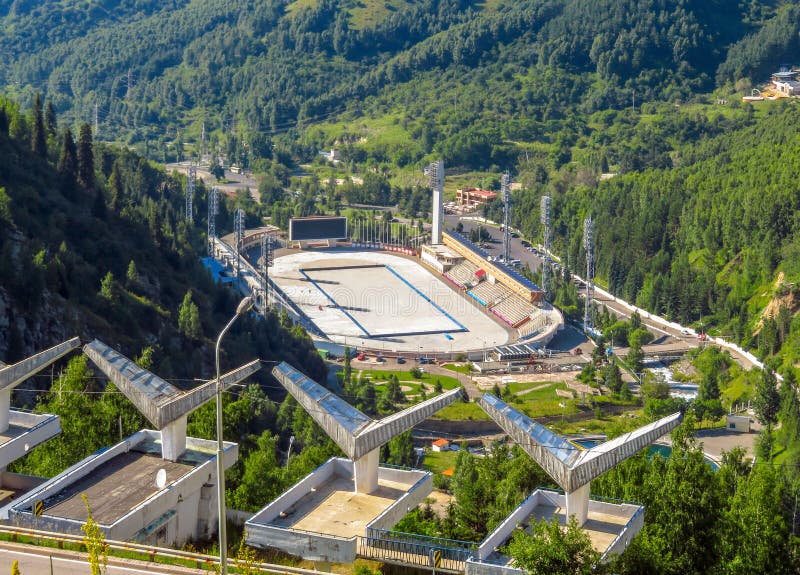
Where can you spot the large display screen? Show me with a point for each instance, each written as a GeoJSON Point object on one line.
{"type": "Point", "coordinates": [317, 228]}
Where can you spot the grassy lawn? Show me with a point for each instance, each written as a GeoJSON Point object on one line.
{"type": "Point", "coordinates": [438, 462]}
{"type": "Point", "coordinates": [458, 367]}
{"type": "Point", "coordinates": [545, 393]}
{"type": "Point", "coordinates": [462, 411]}
{"type": "Point", "coordinates": [405, 376]}
{"type": "Point", "coordinates": [611, 425]}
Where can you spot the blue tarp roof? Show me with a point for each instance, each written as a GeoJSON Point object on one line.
{"type": "Point", "coordinates": [217, 270]}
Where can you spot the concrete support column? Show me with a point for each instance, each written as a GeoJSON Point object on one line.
{"type": "Point", "coordinates": [436, 233]}
{"type": "Point", "coordinates": [5, 408]}
{"type": "Point", "coordinates": [173, 439]}
{"type": "Point", "coordinates": [365, 471]}
{"type": "Point", "coordinates": [578, 504]}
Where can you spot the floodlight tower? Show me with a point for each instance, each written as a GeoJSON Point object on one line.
{"type": "Point", "coordinates": [238, 234]}
{"type": "Point", "coordinates": [436, 182]}
{"type": "Point", "coordinates": [267, 246]}
{"type": "Point", "coordinates": [546, 204]}
{"type": "Point", "coordinates": [213, 209]}
{"type": "Point", "coordinates": [588, 245]}
{"type": "Point", "coordinates": [505, 189]}
{"type": "Point", "coordinates": [191, 178]}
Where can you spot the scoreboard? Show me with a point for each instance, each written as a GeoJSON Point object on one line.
{"type": "Point", "coordinates": [317, 228]}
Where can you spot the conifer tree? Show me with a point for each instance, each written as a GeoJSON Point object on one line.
{"type": "Point", "coordinates": [50, 120]}
{"type": "Point", "coordinates": [85, 157]}
{"type": "Point", "coordinates": [189, 317]}
{"type": "Point", "coordinates": [68, 163]}
{"type": "Point", "coordinates": [38, 135]}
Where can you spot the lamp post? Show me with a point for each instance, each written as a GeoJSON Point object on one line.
{"type": "Point", "coordinates": [243, 307]}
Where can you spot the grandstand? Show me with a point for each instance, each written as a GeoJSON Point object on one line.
{"type": "Point", "coordinates": [488, 293]}
{"type": "Point", "coordinates": [462, 274]}
{"type": "Point", "coordinates": [514, 310]}
{"type": "Point", "coordinates": [537, 323]}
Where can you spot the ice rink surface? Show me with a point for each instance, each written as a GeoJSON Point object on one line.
{"type": "Point", "coordinates": [383, 301]}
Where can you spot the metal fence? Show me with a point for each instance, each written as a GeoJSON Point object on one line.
{"type": "Point", "coordinates": [418, 550]}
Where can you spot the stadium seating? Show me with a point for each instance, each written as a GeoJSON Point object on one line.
{"type": "Point", "coordinates": [462, 273]}
{"type": "Point", "coordinates": [538, 321]}
{"type": "Point", "coordinates": [490, 293]}
{"type": "Point", "coordinates": [513, 310]}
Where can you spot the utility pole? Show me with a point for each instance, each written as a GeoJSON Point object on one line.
{"type": "Point", "coordinates": [546, 204]}
{"type": "Point", "coordinates": [588, 245]}
{"type": "Point", "coordinates": [505, 188]}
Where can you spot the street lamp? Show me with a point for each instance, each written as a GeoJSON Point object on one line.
{"type": "Point", "coordinates": [243, 307]}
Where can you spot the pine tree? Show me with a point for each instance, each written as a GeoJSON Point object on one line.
{"type": "Point", "coordinates": [767, 400]}
{"type": "Point", "coordinates": [347, 370]}
{"type": "Point", "coordinates": [132, 275]}
{"type": "Point", "coordinates": [38, 135]}
{"type": "Point", "coordinates": [108, 288]}
{"type": "Point", "coordinates": [189, 317]}
{"type": "Point", "coordinates": [117, 186]}
{"type": "Point", "coordinates": [85, 157]}
{"type": "Point", "coordinates": [50, 120]}
{"type": "Point", "coordinates": [68, 163]}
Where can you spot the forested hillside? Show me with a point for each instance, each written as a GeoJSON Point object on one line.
{"type": "Point", "coordinates": [94, 243]}
{"type": "Point", "coordinates": [159, 70]}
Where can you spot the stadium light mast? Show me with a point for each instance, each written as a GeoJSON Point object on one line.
{"type": "Point", "coordinates": [213, 209]}
{"type": "Point", "coordinates": [435, 173]}
{"type": "Point", "coordinates": [505, 189]}
{"type": "Point", "coordinates": [267, 246]}
{"type": "Point", "coordinates": [546, 204]}
{"type": "Point", "coordinates": [238, 234]}
{"type": "Point", "coordinates": [588, 245]}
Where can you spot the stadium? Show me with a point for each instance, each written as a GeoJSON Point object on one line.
{"type": "Point", "coordinates": [384, 286]}
{"type": "Point", "coordinates": [374, 291]}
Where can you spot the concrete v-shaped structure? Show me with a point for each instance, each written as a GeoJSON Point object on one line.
{"type": "Point", "coordinates": [12, 375]}
{"type": "Point", "coordinates": [357, 434]}
{"type": "Point", "coordinates": [163, 404]}
{"type": "Point", "coordinates": [571, 466]}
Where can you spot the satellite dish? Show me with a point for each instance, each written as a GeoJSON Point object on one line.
{"type": "Point", "coordinates": [27, 447]}
{"type": "Point", "coordinates": [161, 478]}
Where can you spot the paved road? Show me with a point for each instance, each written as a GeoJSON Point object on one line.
{"type": "Point", "coordinates": [676, 340]}
{"type": "Point", "coordinates": [36, 561]}
{"type": "Point", "coordinates": [516, 250]}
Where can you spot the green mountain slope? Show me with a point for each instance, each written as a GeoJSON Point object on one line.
{"type": "Point", "coordinates": [153, 68]}
{"type": "Point", "coordinates": [111, 258]}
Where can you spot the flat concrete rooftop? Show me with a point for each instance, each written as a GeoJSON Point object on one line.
{"type": "Point", "coordinates": [610, 525]}
{"type": "Point", "coordinates": [9, 494]}
{"type": "Point", "coordinates": [602, 528]}
{"type": "Point", "coordinates": [114, 488]}
{"type": "Point", "coordinates": [334, 509]}
{"type": "Point", "coordinates": [14, 431]}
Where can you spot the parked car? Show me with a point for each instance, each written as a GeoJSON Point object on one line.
{"type": "Point", "coordinates": [361, 356]}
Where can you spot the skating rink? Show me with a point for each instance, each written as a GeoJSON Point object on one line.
{"type": "Point", "coordinates": [383, 301]}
